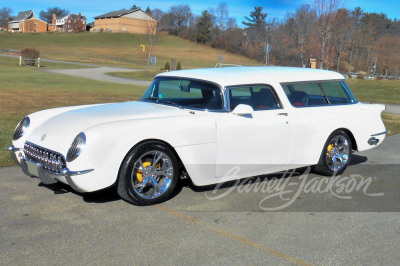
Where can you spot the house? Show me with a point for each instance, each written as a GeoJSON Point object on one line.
{"type": "Point", "coordinates": [27, 22]}
{"type": "Point", "coordinates": [133, 21]}
{"type": "Point", "coordinates": [71, 22]}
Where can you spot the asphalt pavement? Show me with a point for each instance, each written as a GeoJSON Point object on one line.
{"type": "Point", "coordinates": [100, 73]}
{"type": "Point", "coordinates": [54, 225]}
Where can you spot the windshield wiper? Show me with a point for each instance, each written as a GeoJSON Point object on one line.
{"type": "Point", "coordinates": [171, 103]}
{"type": "Point", "coordinates": [166, 102]}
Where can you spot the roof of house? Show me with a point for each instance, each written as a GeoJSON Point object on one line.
{"type": "Point", "coordinates": [117, 14]}
{"type": "Point", "coordinates": [23, 15]}
{"type": "Point", "coordinates": [73, 16]}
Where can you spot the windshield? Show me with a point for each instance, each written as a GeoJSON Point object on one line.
{"type": "Point", "coordinates": [184, 93]}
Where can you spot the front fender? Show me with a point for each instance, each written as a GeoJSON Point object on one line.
{"type": "Point", "coordinates": [108, 144]}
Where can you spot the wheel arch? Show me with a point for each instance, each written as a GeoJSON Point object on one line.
{"type": "Point", "coordinates": [352, 138]}
{"type": "Point", "coordinates": [145, 141]}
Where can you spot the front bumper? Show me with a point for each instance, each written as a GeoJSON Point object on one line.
{"type": "Point", "coordinates": [31, 168]}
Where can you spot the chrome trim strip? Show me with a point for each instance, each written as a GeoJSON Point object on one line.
{"type": "Point", "coordinates": [13, 149]}
{"type": "Point", "coordinates": [378, 134]}
{"type": "Point", "coordinates": [66, 172]}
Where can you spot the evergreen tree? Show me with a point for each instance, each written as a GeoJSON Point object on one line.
{"type": "Point", "coordinates": [204, 26]}
{"type": "Point", "coordinates": [167, 67]}
{"type": "Point", "coordinates": [256, 25]}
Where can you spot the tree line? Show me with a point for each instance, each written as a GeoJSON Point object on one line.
{"type": "Point", "coordinates": [338, 38]}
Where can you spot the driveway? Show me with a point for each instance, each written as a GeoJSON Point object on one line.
{"type": "Point", "coordinates": [47, 224]}
{"type": "Point", "coordinates": [393, 108]}
{"type": "Point", "coordinates": [100, 73]}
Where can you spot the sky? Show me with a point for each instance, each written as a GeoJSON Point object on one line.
{"type": "Point", "coordinates": [237, 8]}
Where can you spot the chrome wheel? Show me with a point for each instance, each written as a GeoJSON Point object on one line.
{"type": "Point", "coordinates": [152, 174]}
{"type": "Point", "coordinates": [337, 153]}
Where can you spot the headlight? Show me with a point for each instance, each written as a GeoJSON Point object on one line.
{"type": "Point", "coordinates": [76, 147]}
{"type": "Point", "coordinates": [21, 128]}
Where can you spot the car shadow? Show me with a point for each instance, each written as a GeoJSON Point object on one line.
{"type": "Point", "coordinates": [101, 196]}
{"type": "Point", "coordinates": [358, 159]}
{"type": "Point", "coordinates": [110, 194]}
{"type": "Point", "coordinates": [250, 180]}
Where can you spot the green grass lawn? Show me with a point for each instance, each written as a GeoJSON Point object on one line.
{"type": "Point", "coordinates": [378, 91]}
{"type": "Point", "coordinates": [24, 90]}
{"type": "Point", "coordinates": [122, 49]}
{"type": "Point", "coordinates": [392, 123]}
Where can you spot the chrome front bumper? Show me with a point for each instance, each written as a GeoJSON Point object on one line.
{"type": "Point", "coordinates": [31, 168]}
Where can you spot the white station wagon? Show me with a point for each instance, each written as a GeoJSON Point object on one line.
{"type": "Point", "coordinates": [200, 124]}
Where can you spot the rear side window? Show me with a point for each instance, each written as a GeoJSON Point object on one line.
{"type": "Point", "coordinates": [318, 93]}
{"type": "Point", "coordinates": [335, 93]}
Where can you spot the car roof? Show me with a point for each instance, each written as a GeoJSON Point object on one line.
{"type": "Point", "coordinates": [228, 76]}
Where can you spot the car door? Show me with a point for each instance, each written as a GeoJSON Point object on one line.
{"type": "Point", "coordinates": [252, 143]}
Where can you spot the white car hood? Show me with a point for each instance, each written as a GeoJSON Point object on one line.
{"type": "Point", "coordinates": [58, 132]}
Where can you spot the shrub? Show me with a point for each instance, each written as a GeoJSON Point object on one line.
{"type": "Point", "coordinates": [178, 66]}
{"type": "Point", "coordinates": [167, 67]}
{"type": "Point", "coordinates": [30, 55]}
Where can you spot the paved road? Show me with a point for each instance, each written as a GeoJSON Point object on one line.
{"type": "Point", "coordinates": [99, 73]}
{"type": "Point", "coordinates": [53, 225]}
{"type": "Point", "coordinates": [96, 73]}
{"type": "Point", "coordinates": [393, 108]}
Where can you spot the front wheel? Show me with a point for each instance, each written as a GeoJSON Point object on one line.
{"type": "Point", "coordinates": [336, 154]}
{"type": "Point", "coordinates": [148, 174]}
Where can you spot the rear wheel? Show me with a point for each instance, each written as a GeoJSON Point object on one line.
{"type": "Point", "coordinates": [336, 154]}
{"type": "Point", "coordinates": [148, 174]}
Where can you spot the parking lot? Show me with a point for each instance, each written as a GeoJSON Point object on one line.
{"type": "Point", "coordinates": [54, 225]}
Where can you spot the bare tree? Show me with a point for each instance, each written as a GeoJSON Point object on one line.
{"type": "Point", "coordinates": [325, 11]}
{"type": "Point", "coordinates": [151, 31]}
{"type": "Point", "coordinates": [180, 16]}
{"type": "Point", "coordinates": [157, 13]}
{"type": "Point", "coordinates": [341, 30]}
{"type": "Point", "coordinates": [48, 15]}
{"type": "Point", "coordinates": [303, 20]}
{"type": "Point", "coordinates": [222, 15]}
{"type": "Point", "coordinates": [5, 16]}
{"type": "Point", "coordinates": [231, 23]}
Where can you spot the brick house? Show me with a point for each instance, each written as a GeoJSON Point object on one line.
{"type": "Point", "coordinates": [133, 21]}
{"type": "Point", "coordinates": [27, 22]}
{"type": "Point", "coordinates": [71, 22]}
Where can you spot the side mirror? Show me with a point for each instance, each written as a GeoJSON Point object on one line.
{"type": "Point", "coordinates": [243, 109]}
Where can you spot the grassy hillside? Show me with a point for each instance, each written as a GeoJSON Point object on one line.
{"type": "Point", "coordinates": [24, 90]}
{"type": "Point", "coordinates": [119, 49]}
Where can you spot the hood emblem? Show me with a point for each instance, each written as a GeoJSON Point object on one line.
{"type": "Point", "coordinates": [43, 137]}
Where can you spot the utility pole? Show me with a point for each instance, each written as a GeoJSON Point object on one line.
{"type": "Point", "coordinates": [267, 50]}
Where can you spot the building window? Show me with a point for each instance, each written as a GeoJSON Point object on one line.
{"type": "Point", "coordinates": [35, 24]}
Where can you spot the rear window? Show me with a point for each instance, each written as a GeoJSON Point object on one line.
{"type": "Point", "coordinates": [318, 93]}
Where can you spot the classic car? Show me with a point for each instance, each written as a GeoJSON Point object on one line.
{"type": "Point", "coordinates": [199, 124]}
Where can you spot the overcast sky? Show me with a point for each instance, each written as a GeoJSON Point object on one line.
{"type": "Point", "coordinates": [236, 8]}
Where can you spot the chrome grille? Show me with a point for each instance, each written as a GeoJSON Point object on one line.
{"type": "Point", "coordinates": [18, 132]}
{"type": "Point", "coordinates": [49, 160]}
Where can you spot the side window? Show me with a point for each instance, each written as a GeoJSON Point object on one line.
{"type": "Point", "coordinates": [305, 94]}
{"type": "Point", "coordinates": [335, 93]}
{"type": "Point", "coordinates": [317, 94]}
{"type": "Point", "coordinates": [260, 97]}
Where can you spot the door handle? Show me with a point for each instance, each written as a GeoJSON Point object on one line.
{"type": "Point", "coordinates": [285, 114]}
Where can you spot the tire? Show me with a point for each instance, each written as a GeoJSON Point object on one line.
{"type": "Point", "coordinates": [148, 174]}
{"type": "Point", "coordinates": [336, 154]}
